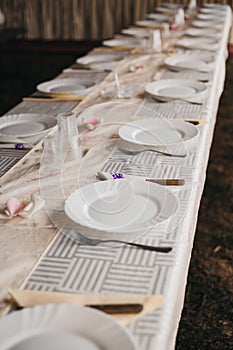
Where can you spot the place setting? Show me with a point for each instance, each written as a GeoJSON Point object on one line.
{"type": "Point", "coordinates": [104, 212]}
{"type": "Point", "coordinates": [206, 24]}
{"type": "Point", "coordinates": [158, 134]}
{"type": "Point", "coordinates": [214, 18]}
{"type": "Point", "coordinates": [77, 320]}
{"type": "Point", "coordinates": [172, 6]}
{"type": "Point", "coordinates": [136, 32]}
{"type": "Point", "coordinates": [64, 89]}
{"type": "Point", "coordinates": [148, 23]}
{"type": "Point", "coordinates": [199, 43]}
{"type": "Point", "coordinates": [118, 214]}
{"type": "Point", "coordinates": [188, 66]}
{"type": "Point", "coordinates": [73, 88]}
{"type": "Point", "coordinates": [213, 9]}
{"type": "Point", "coordinates": [101, 60]}
{"type": "Point", "coordinates": [121, 42]}
{"type": "Point", "coordinates": [181, 62]}
{"type": "Point", "coordinates": [106, 209]}
{"type": "Point", "coordinates": [166, 140]}
{"type": "Point", "coordinates": [183, 90]}
{"type": "Point", "coordinates": [203, 32]}
{"type": "Point", "coordinates": [160, 17]}
{"type": "Point", "coordinates": [63, 326]}
{"type": "Point", "coordinates": [23, 130]}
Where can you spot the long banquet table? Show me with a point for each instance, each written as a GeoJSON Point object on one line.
{"type": "Point", "coordinates": [37, 255]}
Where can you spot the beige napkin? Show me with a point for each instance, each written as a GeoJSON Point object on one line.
{"type": "Point", "coordinates": [62, 98]}
{"type": "Point", "coordinates": [27, 298]}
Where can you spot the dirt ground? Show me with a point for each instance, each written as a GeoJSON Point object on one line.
{"type": "Point", "coordinates": [207, 316]}
{"type": "Point", "coordinates": [208, 312]}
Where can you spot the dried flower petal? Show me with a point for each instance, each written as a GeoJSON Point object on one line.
{"type": "Point", "coordinates": [14, 205]}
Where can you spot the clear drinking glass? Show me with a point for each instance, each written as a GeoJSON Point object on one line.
{"type": "Point", "coordinates": [68, 138]}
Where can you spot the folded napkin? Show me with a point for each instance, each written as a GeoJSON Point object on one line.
{"type": "Point", "coordinates": [29, 298]}
{"type": "Point", "coordinates": [25, 207]}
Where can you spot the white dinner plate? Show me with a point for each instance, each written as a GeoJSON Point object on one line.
{"type": "Point", "coordinates": [209, 44]}
{"type": "Point", "coordinates": [165, 10]}
{"type": "Point", "coordinates": [26, 124]}
{"type": "Point", "coordinates": [147, 23]}
{"type": "Point", "coordinates": [158, 17]}
{"type": "Point", "coordinates": [158, 132]}
{"type": "Point", "coordinates": [60, 327]}
{"type": "Point", "coordinates": [169, 89]}
{"type": "Point", "coordinates": [137, 32]}
{"type": "Point", "coordinates": [211, 17]}
{"type": "Point", "coordinates": [185, 62]}
{"type": "Point", "coordinates": [213, 7]}
{"type": "Point", "coordinates": [65, 86]}
{"type": "Point", "coordinates": [102, 60]}
{"type": "Point", "coordinates": [121, 206]}
{"type": "Point", "coordinates": [131, 43]}
{"type": "Point", "coordinates": [172, 6]}
{"type": "Point", "coordinates": [207, 24]}
{"type": "Point", "coordinates": [98, 58]}
{"type": "Point", "coordinates": [203, 32]}
{"type": "Point", "coordinates": [213, 11]}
